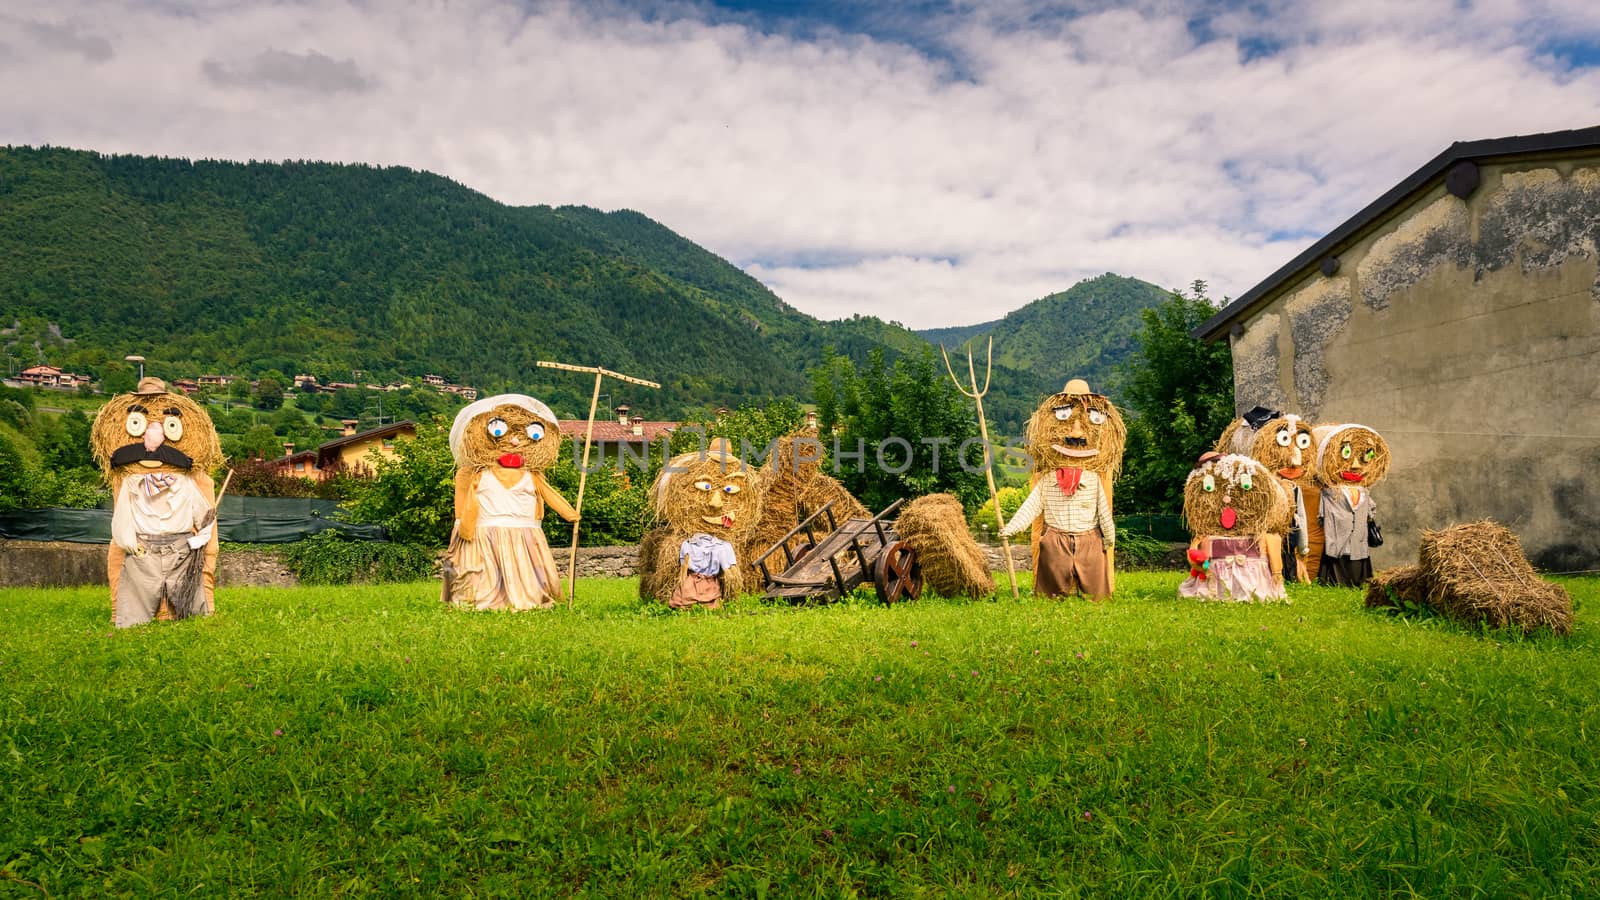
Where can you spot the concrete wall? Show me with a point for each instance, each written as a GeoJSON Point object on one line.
{"type": "Point", "coordinates": [1467, 332]}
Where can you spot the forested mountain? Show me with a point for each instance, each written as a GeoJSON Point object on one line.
{"type": "Point", "coordinates": [256, 268]}
{"type": "Point", "coordinates": [1085, 331]}
{"type": "Point", "coordinates": [321, 268]}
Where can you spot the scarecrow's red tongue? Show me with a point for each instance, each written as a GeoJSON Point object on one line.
{"type": "Point", "coordinates": [727, 521]}
{"type": "Point", "coordinates": [1229, 517]}
{"type": "Point", "coordinates": [511, 460]}
{"type": "Point", "coordinates": [1350, 476]}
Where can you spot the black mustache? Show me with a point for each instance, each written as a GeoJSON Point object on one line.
{"type": "Point", "coordinates": [128, 454]}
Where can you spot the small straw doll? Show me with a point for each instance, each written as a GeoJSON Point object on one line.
{"type": "Point", "coordinates": [498, 557]}
{"type": "Point", "coordinates": [1351, 460]}
{"type": "Point", "coordinates": [1231, 503]}
{"type": "Point", "coordinates": [709, 504]}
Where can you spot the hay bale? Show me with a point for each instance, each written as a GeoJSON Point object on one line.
{"type": "Point", "coordinates": [658, 564]}
{"type": "Point", "coordinates": [793, 482]}
{"type": "Point", "coordinates": [1397, 588]}
{"type": "Point", "coordinates": [1477, 572]}
{"type": "Point", "coordinates": [952, 564]}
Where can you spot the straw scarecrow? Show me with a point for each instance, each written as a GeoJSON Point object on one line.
{"type": "Point", "coordinates": [1351, 460]}
{"type": "Point", "coordinates": [1231, 504]}
{"type": "Point", "coordinates": [708, 504]}
{"type": "Point", "coordinates": [498, 557]}
{"type": "Point", "coordinates": [1283, 443]}
{"type": "Point", "coordinates": [1076, 439]}
{"type": "Point", "coordinates": [157, 450]}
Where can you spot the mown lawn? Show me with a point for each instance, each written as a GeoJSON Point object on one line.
{"type": "Point", "coordinates": [363, 740]}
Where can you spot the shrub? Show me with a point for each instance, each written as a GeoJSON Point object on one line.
{"type": "Point", "coordinates": [329, 557]}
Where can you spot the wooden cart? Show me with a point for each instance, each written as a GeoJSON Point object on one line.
{"type": "Point", "coordinates": [846, 556]}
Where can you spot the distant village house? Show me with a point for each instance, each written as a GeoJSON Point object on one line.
{"type": "Point", "coordinates": [348, 454]}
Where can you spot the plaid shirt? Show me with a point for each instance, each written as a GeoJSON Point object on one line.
{"type": "Point", "coordinates": [1086, 508]}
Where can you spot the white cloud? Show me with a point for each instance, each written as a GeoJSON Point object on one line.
{"type": "Point", "coordinates": [1017, 151]}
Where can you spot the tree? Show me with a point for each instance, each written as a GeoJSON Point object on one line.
{"type": "Point", "coordinates": [1179, 390]}
{"type": "Point", "coordinates": [907, 423]}
{"type": "Point", "coordinates": [269, 393]}
{"type": "Point", "coordinates": [413, 493]}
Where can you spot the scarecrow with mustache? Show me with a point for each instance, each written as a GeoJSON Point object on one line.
{"type": "Point", "coordinates": [1283, 443]}
{"type": "Point", "coordinates": [1351, 460]}
{"type": "Point", "coordinates": [710, 503]}
{"type": "Point", "coordinates": [1231, 503]}
{"type": "Point", "coordinates": [157, 450]}
{"type": "Point", "coordinates": [498, 557]}
{"type": "Point", "coordinates": [1076, 439]}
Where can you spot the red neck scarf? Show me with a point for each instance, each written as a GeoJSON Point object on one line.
{"type": "Point", "coordinates": [1067, 479]}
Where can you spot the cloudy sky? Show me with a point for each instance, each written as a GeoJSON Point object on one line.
{"type": "Point", "coordinates": [932, 163]}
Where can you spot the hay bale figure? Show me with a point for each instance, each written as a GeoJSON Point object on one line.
{"type": "Point", "coordinates": [1076, 438]}
{"type": "Point", "coordinates": [952, 563]}
{"type": "Point", "coordinates": [157, 449]}
{"type": "Point", "coordinates": [1231, 503]}
{"type": "Point", "coordinates": [708, 504]}
{"type": "Point", "coordinates": [1350, 461]}
{"type": "Point", "coordinates": [498, 556]}
{"type": "Point", "coordinates": [1283, 443]}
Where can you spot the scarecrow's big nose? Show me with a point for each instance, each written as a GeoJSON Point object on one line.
{"type": "Point", "coordinates": [715, 500]}
{"type": "Point", "coordinates": [1295, 458]}
{"type": "Point", "coordinates": [153, 436]}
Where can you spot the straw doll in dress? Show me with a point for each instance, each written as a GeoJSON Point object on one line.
{"type": "Point", "coordinates": [1351, 460]}
{"type": "Point", "coordinates": [1232, 503]}
{"type": "Point", "coordinates": [709, 504]}
{"type": "Point", "coordinates": [498, 556]}
{"type": "Point", "coordinates": [157, 449]}
{"type": "Point", "coordinates": [1076, 439]}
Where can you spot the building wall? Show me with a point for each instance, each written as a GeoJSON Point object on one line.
{"type": "Point", "coordinates": [1467, 332]}
{"type": "Point", "coordinates": [354, 454]}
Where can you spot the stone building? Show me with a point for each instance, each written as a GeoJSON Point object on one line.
{"type": "Point", "coordinates": [1459, 315]}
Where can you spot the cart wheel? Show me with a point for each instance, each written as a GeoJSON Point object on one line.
{"type": "Point", "coordinates": [897, 575]}
{"type": "Point", "coordinates": [804, 550]}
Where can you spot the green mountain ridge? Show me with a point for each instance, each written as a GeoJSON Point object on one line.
{"type": "Point", "coordinates": [1086, 331]}
{"type": "Point", "coordinates": [331, 269]}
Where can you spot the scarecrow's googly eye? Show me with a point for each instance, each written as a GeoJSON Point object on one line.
{"type": "Point", "coordinates": [1244, 481]}
{"type": "Point", "coordinates": [1284, 437]}
{"type": "Point", "coordinates": [1302, 440]}
{"type": "Point", "coordinates": [703, 485]}
{"type": "Point", "coordinates": [497, 427]}
{"type": "Point", "coordinates": [1097, 417]}
{"type": "Point", "coordinates": [730, 489]}
{"type": "Point", "coordinates": [173, 426]}
{"type": "Point", "coordinates": [536, 431]}
{"type": "Point", "coordinates": [1345, 451]}
{"type": "Point", "coordinates": [136, 424]}
{"type": "Point", "coordinates": [1063, 413]}
{"type": "Point", "coordinates": [1208, 483]}
{"type": "Point", "coordinates": [1370, 455]}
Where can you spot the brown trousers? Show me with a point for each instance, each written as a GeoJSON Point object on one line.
{"type": "Point", "coordinates": [1071, 563]}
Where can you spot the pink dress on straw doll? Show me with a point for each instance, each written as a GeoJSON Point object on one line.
{"type": "Point", "coordinates": [1238, 572]}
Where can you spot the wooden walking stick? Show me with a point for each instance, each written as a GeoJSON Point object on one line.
{"type": "Point", "coordinates": [583, 470]}
{"type": "Point", "coordinates": [988, 457]}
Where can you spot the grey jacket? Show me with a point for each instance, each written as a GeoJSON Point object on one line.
{"type": "Point", "coordinates": [1344, 530]}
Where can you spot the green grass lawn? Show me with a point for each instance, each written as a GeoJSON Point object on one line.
{"type": "Point", "coordinates": [364, 740]}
